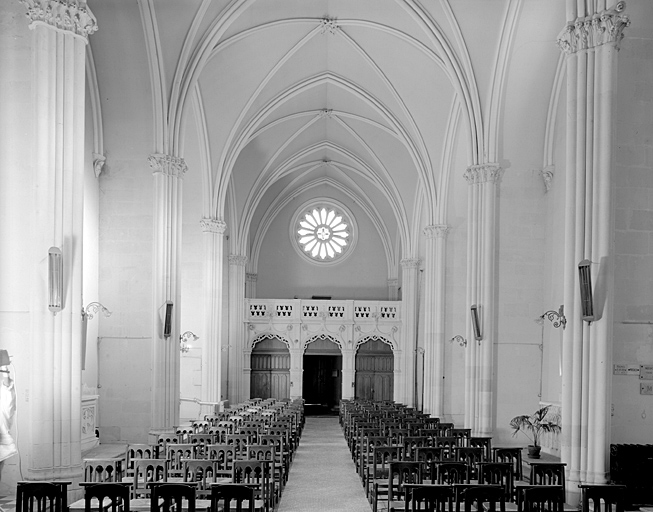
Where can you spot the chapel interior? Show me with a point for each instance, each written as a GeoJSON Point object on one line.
{"type": "Point", "coordinates": [443, 204]}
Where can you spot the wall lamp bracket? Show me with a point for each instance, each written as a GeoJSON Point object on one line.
{"type": "Point", "coordinates": [461, 341]}
{"type": "Point", "coordinates": [556, 317]}
{"type": "Point", "coordinates": [93, 308]}
{"type": "Point", "coordinates": [185, 339]}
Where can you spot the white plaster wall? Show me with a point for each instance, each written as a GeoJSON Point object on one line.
{"type": "Point", "coordinates": [520, 259]}
{"type": "Point", "coordinates": [632, 420]}
{"type": "Point", "coordinates": [126, 225]}
{"type": "Point", "coordinates": [282, 273]}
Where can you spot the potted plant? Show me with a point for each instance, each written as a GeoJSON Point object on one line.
{"type": "Point", "coordinates": [537, 424]}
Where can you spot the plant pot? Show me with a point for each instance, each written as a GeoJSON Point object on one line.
{"type": "Point", "coordinates": [534, 451]}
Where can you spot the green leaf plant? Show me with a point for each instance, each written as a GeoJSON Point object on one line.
{"type": "Point", "coordinates": [536, 424]}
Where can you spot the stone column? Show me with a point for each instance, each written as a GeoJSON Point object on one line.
{"type": "Point", "coordinates": [434, 275]}
{"type": "Point", "coordinates": [590, 39]}
{"type": "Point", "coordinates": [168, 172]}
{"type": "Point", "coordinates": [405, 393]}
{"type": "Point", "coordinates": [250, 287]}
{"type": "Point", "coordinates": [479, 359]}
{"type": "Point", "coordinates": [213, 230]}
{"type": "Point", "coordinates": [393, 289]}
{"type": "Point", "coordinates": [60, 31]}
{"type": "Point", "coordinates": [238, 384]}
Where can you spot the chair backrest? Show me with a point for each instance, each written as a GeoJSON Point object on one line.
{"type": "Point", "coordinates": [543, 498]}
{"type": "Point", "coordinates": [401, 473]}
{"type": "Point", "coordinates": [411, 443]}
{"type": "Point", "coordinates": [382, 456]}
{"type": "Point", "coordinates": [261, 452]}
{"type": "Point", "coordinates": [148, 471]}
{"type": "Point", "coordinates": [488, 498]}
{"type": "Point", "coordinates": [223, 456]}
{"type": "Point", "coordinates": [603, 498]}
{"type": "Point", "coordinates": [233, 497]}
{"type": "Point", "coordinates": [176, 453]}
{"type": "Point", "coordinates": [429, 498]}
{"type": "Point", "coordinates": [497, 473]}
{"type": "Point", "coordinates": [41, 497]}
{"type": "Point", "coordinates": [200, 427]}
{"type": "Point", "coordinates": [172, 498]}
{"type": "Point", "coordinates": [220, 434]}
{"type": "Point", "coordinates": [452, 473]}
{"type": "Point", "coordinates": [201, 440]}
{"type": "Point", "coordinates": [200, 472]}
{"type": "Point", "coordinates": [548, 473]}
{"type": "Point", "coordinates": [512, 455]}
{"type": "Point", "coordinates": [251, 432]}
{"type": "Point", "coordinates": [240, 442]}
{"type": "Point", "coordinates": [448, 445]}
{"type": "Point", "coordinates": [256, 473]}
{"type": "Point", "coordinates": [139, 451]}
{"type": "Point", "coordinates": [461, 433]}
{"type": "Point", "coordinates": [111, 496]}
{"type": "Point", "coordinates": [468, 455]}
{"type": "Point", "coordinates": [482, 442]}
{"type": "Point", "coordinates": [103, 470]}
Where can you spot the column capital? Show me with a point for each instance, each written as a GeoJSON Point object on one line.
{"type": "Point", "coordinates": [410, 263]}
{"type": "Point", "coordinates": [237, 260]}
{"type": "Point", "coordinates": [600, 28]}
{"type": "Point", "coordinates": [167, 164]}
{"type": "Point", "coordinates": [67, 15]}
{"type": "Point", "coordinates": [483, 173]}
{"type": "Point", "coordinates": [213, 226]}
{"type": "Point", "coordinates": [436, 231]}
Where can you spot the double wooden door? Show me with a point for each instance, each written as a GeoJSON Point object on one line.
{"type": "Point", "coordinates": [374, 371]}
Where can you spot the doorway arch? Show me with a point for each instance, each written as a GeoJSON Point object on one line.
{"type": "Point", "coordinates": [374, 365]}
{"type": "Point", "coordinates": [270, 374]}
{"type": "Point", "coordinates": [322, 376]}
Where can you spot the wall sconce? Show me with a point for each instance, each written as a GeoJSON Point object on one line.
{"type": "Point", "coordinates": [55, 279]}
{"type": "Point", "coordinates": [461, 341]}
{"type": "Point", "coordinates": [476, 322]}
{"type": "Point", "coordinates": [184, 340]}
{"type": "Point", "coordinates": [87, 314]}
{"type": "Point", "coordinates": [556, 317]}
{"type": "Point", "coordinates": [585, 282]}
{"type": "Point", "coordinates": [167, 321]}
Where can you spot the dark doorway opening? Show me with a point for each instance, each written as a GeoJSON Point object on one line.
{"type": "Point", "coordinates": [322, 384]}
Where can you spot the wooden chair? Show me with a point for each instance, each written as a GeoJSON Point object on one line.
{"type": "Point", "coordinates": [173, 498]}
{"type": "Point", "coordinates": [233, 497]}
{"type": "Point", "coordinates": [411, 443]}
{"type": "Point", "coordinates": [382, 456]}
{"type": "Point", "coordinates": [146, 472]}
{"type": "Point", "coordinates": [176, 453]}
{"type": "Point", "coordinates": [428, 456]}
{"type": "Point", "coordinates": [543, 498]}
{"type": "Point", "coordinates": [106, 496]}
{"type": "Point", "coordinates": [135, 452]}
{"type": "Point", "coordinates": [399, 474]}
{"type": "Point", "coordinates": [267, 453]}
{"type": "Point", "coordinates": [201, 473]}
{"type": "Point", "coordinates": [452, 473]}
{"type": "Point", "coordinates": [429, 498]}
{"type": "Point", "coordinates": [448, 445]}
{"type": "Point", "coordinates": [41, 496]}
{"type": "Point", "coordinates": [239, 442]}
{"type": "Point", "coordinates": [223, 456]}
{"type": "Point", "coordinates": [603, 498]}
{"type": "Point", "coordinates": [103, 470]}
{"type": "Point", "coordinates": [498, 473]}
{"type": "Point", "coordinates": [282, 455]}
{"type": "Point", "coordinates": [255, 473]}
{"type": "Point", "coordinates": [463, 435]}
{"type": "Point", "coordinates": [471, 457]}
{"type": "Point", "coordinates": [489, 498]}
{"type": "Point", "coordinates": [201, 440]}
{"type": "Point", "coordinates": [482, 442]}
{"type": "Point", "coordinates": [512, 455]}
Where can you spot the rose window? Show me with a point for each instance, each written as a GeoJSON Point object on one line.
{"type": "Point", "coordinates": [323, 233]}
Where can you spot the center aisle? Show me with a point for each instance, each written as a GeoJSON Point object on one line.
{"type": "Point", "coordinates": [322, 475]}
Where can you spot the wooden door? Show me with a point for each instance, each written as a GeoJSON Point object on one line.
{"type": "Point", "coordinates": [374, 371]}
{"type": "Point", "coordinates": [270, 375]}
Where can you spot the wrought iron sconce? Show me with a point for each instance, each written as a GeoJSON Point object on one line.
{"type": "Point", "coordinates": [184, 340]}
{"type": "Point", "coordinates": [461, 341]}
{"type": "Point", "coordinates": [556, 317]}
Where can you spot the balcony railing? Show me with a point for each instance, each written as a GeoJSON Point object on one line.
{"type": "Point", "coordinates": [309, 311]}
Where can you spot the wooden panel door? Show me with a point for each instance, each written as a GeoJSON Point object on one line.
{"type": "Point", "coordinates": [270, 377]}
{"type": "Point", "coordinates": [374, 371]}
